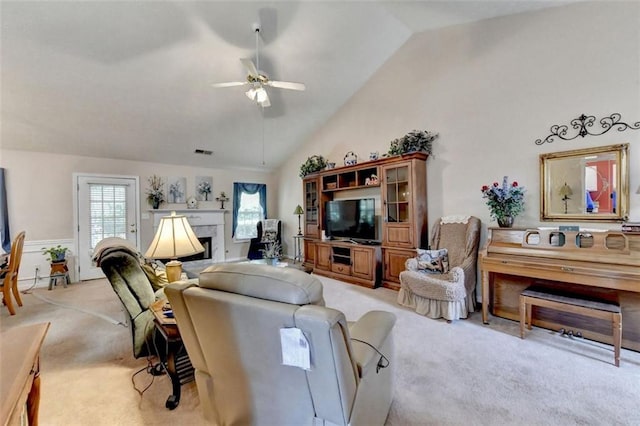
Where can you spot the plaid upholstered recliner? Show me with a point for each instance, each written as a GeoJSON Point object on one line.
{"type": "Point", "coordinates": [449, 295]}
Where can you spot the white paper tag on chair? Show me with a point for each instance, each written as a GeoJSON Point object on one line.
{"type": "Point", "coordinates": [295, 348]}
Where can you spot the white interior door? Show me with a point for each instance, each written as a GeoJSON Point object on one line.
{"type": "Point", "coordinates": [107, 206]}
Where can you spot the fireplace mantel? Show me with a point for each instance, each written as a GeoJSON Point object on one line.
{"type": "Point", "coordinates": [194, 216]}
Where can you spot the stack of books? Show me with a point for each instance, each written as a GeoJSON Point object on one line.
{"type": "Point", "coordinates": [631, 227]}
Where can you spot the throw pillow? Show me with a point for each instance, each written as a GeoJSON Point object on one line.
{"type": "Point", "coordinates": [433, 261]}
{"type": "Point", "coordinates": [156, 273]}
{"type": "Point", "coordinates": [269, 236]}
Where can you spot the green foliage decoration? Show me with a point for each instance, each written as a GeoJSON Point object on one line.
{"type": "Point", "coordinates": [315, 163]}
{"type": "Point", "coordinates": [56, 254]}
{"type": "Point", "coordinates": [414, 141]}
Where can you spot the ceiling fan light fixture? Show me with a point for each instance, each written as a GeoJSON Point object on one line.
{"type": "Point", "coordinates": [257, 80]}
{"type": "Point", "coordinates": [251, 94]}
{"type": "Point", "coordinates": [261, 95]}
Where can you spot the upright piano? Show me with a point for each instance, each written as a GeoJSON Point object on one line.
{"type": "Point", "coordinates": [598, 264]}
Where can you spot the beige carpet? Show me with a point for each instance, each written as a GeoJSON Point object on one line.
{"type": "Point", "coordinates": [447, 374]}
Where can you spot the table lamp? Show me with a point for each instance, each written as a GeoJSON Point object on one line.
{"type": "Point", "coordinates": [174, 238]}
{"type": "Point", "coordinates": [299, 212]}
{"type": "Point", "coordinates": [565, 191]}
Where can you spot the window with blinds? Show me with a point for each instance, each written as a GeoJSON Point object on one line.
{"type": "Point", "coordinates": [108, 210]}
{"type": "Point", "coordinates": [249, 214]}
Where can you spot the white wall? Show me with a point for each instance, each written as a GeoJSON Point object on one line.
{"type": "Point", "coordinates": [490, 89]}
{"type": "Point", "coordinates": [40, 194]}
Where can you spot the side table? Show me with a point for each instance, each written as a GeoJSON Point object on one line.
{"type": "Point", "coordinates": [59, 270]}
{"type": "Point", "coordinates": [20, 380]}
{"type": "Point", "coordinates": [297, 248]}
{"type": "Point", "coordinates": [174, 357]}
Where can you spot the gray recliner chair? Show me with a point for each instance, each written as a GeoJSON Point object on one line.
{"type": "Point", "coordinates": [230, 324]}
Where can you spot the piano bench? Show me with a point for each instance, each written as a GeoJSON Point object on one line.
{"type": "Point", "coordinates": [572, 303]}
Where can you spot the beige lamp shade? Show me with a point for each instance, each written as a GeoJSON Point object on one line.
{"type": "Point", "coordinates": [174, 238]}
{"type": "Point", "coordinates": [565, 190]}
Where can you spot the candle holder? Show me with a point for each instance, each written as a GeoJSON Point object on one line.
{"type": "Point", "coordinates": [222, 198]}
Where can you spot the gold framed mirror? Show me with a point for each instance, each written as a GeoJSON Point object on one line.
{"type": "Point", "coordinates": [585, 184]}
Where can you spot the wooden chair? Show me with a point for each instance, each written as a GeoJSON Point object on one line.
{"type": "Point", "coordinates": [9, 274]}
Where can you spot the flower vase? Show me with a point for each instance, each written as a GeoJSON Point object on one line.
{"type": "Point", "coordinates": [505, 222]}
{"type": "Point", "coordinates": [155, 204]}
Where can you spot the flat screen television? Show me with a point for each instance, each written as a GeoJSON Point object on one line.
{"type": "Point", "coordinates": [351, 219]}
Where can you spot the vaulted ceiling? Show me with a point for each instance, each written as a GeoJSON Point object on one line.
{"type": "Point", "coordinates": [132, 79]}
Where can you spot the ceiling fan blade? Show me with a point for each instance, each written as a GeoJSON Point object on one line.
{"type": "Point", "coordinates": [249, 65]}
{"type": "Point", "coordinates": [230, 84]}
{"type": "Point", "coordinates": [286, 85]}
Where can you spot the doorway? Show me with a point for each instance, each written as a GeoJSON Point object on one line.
{"type": "Point", "coordinates": [106, 206]}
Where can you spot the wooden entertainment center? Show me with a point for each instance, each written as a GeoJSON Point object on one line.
{"type": "Point", "coordinates": [401, 186]}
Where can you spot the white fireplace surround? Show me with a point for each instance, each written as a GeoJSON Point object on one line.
{"type": "Point", "coordinates": [205, 223]}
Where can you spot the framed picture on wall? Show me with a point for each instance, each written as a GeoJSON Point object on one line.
{"type": "Point", "coordinates": [177, 189]}
{"type": "Point", "coordinates": [204, 188]}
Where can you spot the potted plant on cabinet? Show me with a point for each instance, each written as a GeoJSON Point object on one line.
{"type": "Point", "coordinates": [414, 141]}
{"type": "Point", "coordinates": [315, 163]}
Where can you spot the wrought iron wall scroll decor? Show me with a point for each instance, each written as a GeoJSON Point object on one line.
{"type": "Point", "coordinates": [582, 125]}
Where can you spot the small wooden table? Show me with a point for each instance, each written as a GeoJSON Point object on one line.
{"type": "Point", "coordinates": [59, 270]}
{"type": "Point", "coordinates": [20, 379]}
{"type": "Point", "coordinates": [175, 358]}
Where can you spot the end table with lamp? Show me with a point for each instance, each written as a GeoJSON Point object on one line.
{"type": "Point", "coordinates": [297, 239]}
{"type": "Point", "coordinates": [174, 238]}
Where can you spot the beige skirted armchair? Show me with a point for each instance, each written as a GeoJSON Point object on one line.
{"type": "Point", "coordinates": [451, 294]}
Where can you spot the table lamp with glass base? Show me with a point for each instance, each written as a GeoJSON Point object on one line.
{"type": "Point", "coordinates": [174, 238]}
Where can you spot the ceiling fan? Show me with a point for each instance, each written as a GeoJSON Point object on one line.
{"type": "Point", "coordinates": [257, 80]}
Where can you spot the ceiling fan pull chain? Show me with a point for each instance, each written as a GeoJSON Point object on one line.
{"type": "Point", "coordinates": [262, 113]}
{"type": "Point", "coordinates": [258, 48]}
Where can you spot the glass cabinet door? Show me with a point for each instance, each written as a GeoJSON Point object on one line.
{"type": "Point", "coordinates": [311, 208]}
{"type": "Point", "coordinates": [398, 194]}
{"type": "Point", "coordinates": [311, 202]}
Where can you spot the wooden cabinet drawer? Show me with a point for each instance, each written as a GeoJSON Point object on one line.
{"type": "Point", "coordinates": [340, 268]}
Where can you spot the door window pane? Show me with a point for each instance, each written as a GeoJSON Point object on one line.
{"type": "Point", "coordinates": [107, 212]}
